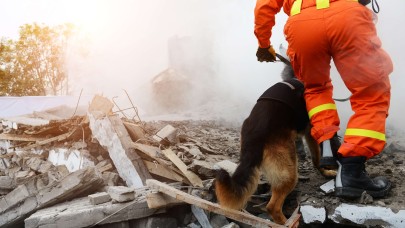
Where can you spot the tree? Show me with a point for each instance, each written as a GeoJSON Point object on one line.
{"type": "Point", "coordinates": [35, 63]}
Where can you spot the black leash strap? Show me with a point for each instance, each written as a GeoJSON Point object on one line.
{"type": "Point", "coordinates": [375, 6]}
{"type": "Point", "coordinates": [282, 59]}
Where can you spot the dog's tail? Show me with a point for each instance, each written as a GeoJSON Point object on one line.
{"type": "Point", "coordinates": [287, 73]}
{"type": "Point", "coordinates": [234, 192]}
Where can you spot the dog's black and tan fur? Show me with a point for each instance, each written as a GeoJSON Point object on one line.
{"type": "Point", "coordinates": [268, 146]}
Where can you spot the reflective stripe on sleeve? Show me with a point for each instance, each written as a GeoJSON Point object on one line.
{"type": "Point", "coordinates": [365, 133]}
{"type": "Point", "coordinates": [321, 108]}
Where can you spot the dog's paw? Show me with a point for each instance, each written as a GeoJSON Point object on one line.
{"type": "Point", "coordinates": [328, 173]}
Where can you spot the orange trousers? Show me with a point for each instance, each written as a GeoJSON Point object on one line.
{"type": "Point", "coordinates": [345, 33]}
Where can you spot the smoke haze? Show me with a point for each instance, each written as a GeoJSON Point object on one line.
{"type": "Point", "coordinates": [128, 46]}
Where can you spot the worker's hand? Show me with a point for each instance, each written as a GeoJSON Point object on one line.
{"type": "Point", "coordinates": [266, 54]}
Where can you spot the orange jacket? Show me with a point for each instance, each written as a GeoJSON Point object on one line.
{"type": "Point", "coordinates": [265, 12]}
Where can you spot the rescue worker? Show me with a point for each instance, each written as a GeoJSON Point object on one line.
{"type": "Point", "coordinates": [343, 30]}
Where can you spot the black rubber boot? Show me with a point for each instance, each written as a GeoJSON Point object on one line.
{"type": "Point", "coordinates": [352, 180]}
{"type": "Point", "coordinates": [329, 150]}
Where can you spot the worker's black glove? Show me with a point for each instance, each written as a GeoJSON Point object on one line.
{"type": "Point", "coordinates": [266, 54]}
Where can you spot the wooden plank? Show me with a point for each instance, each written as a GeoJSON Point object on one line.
{"type": "Point", "coordinates": [294, 219]}
{"type": "Point", "coordinates": [23, 138]}
{"type": "Point", "coordinates": [151, 151]}
{"type": "Point", "coordinates": [135, 131]}
{"type": "Point", "coordinates": [160, 170]}
{"type": "Point", "coordinates": [53, 139]}
{"type": "Point", "coordinates": [159, 200]}
{"type": "Point", "coordinates": [192, 177]}
{"type": "Point", "coordinates": [207, 205]}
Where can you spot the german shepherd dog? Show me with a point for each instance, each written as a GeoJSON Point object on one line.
{"type": "Point", "coordinates": [268, 138]}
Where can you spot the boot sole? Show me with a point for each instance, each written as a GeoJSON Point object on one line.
{"type": "Point", "coordinates": [347, 192]}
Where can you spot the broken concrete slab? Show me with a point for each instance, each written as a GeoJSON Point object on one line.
{"type": "Point", "coordinates": [7, 183]}
{"type": "Point", "coordinates": [227, 165]}
{"type": "Point", "coordinates": [111, 133]}
{"type": "Point", "coordinates": [368, 216]}
{"type": "Point", "coordinates": [66, 214]}
{"type": "Point", "coordinates": [110, 178]}
{"type": "Point", "coordinates": [328, 187]}
{"type": "Point", "coordinates": [99, 198]}
{"type": "Point", "coordinates": [72, 159]}
{"type": "Point", "coordinates": [167, 135]}
{"type": "Point", "coordinates": [155, 221]}
{"type": "Point", "coordinates": [311, 214]}
{"type": "Point", "coordinates": [121, 193]}
{"type": "Point", "coordinates": [27, 198]}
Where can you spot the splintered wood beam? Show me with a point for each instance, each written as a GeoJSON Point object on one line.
{"type": "Point", "coordinates": [22, 138]}
{"type": "Point", "coordinates": [53, 139]}
{"type": "Point", "coordinates": [163, 171]}
{"type": "Point", "coordinates": [159, 200]}
{"type": "Point", "coordinates": [294, 219]}
{"type": "Point", "coordinates": [192, 177]}
{"type": "Point", "coordinates": [207, 205]}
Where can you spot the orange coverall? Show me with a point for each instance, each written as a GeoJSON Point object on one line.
{"type": "Point", "coordinates": [343, 31]}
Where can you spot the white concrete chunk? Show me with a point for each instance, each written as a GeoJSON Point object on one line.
{"type": "Point", "coordinates": [369, 215]}
{"type": "Point", "coordinates": [168, 133]}
{"type": "Point", "coordinates": [328, 187]}
{"type": "Point", "coordinates": [72, 159]}
{"type": "Point", "coordinates": [229, 166]}
{"type": "Point", "coordinates": [312, 214]}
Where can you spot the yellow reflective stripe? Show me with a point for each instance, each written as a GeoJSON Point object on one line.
{"type": "Point", "coordinates": [321, 108]}
{"type": "Point", "coordinates": [322, 4]}
{"type": "Point", "coordinates": [296, 7]}
{"type": "Point", "coordinates": [365, 133]}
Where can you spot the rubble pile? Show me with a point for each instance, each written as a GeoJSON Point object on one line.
{"type": "Point", "coordinates": [103, 170]}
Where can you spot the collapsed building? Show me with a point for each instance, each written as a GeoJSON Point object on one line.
{"type": "Point", "coordinates": [101, 169]}
{"type": "Point", "coordinates": [61, 167]}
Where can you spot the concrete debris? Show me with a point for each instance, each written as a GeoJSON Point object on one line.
{"type": "Point", "coordinates": [312, 214]}
{"type": "Point", "coordinates": [99, 198]}
{"type": "Point", "coordinates": [81, 213]}
{"type": "Point", "coordinates": [121, 193]}
{"type": "Point", "coordinates": [368, 216]}
{"type": "Point", "coordinates": [28, 198]}
{"type": "Point", "coordinates": [72, 159]}
{"type": "Point", "coordinates": [112, 134]}
{"type": "Point", "coordinates": [166, 136]}
{"type": "Point", "coordinates": [98, 165]}
{"type": "Point", "coordinates": [227, 165]}
{"type": "Point", "coordinates": [328, 187]}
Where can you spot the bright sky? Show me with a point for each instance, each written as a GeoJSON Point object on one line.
{"type": "Point", "coordinates": [51, 12]}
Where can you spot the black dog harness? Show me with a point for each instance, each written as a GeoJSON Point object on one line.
{"type": "Point", "coordinates": [289, 92]}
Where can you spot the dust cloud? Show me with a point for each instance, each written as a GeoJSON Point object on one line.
{"type": "Point", "coordinates": [128, 45]}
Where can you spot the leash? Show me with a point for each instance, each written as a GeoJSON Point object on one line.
{"type": "Point", "coordinates": [288, 63]}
